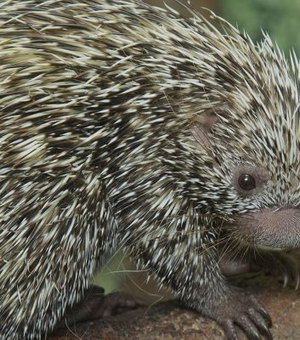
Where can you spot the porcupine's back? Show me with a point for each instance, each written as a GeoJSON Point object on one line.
{"type": "Point", "coordinates": [97, 101]}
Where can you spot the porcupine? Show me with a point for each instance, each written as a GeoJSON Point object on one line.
{"type": "Point", "coordinates": [125, 125]}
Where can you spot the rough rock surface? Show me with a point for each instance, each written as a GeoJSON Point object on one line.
{"type": "Point", "coordinates": [168, 321]}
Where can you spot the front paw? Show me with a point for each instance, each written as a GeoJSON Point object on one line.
{"type": "Point", "coordinates": [240, 310]}
{"type": "Point", "coordinates": [279, 264]}
{"type": "Point", "coordinates": [96, 305]}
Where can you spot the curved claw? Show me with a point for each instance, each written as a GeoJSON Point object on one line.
{"type": "Point", "coordinates": [285, 280]}
{"type": "Point", "coordinates": [297, 280]}
{"type": "Point", "coordinates": [262, 311]}
{"type": "Point", "coordinates": [262, 321]}
{"type": "Point", "coordinates": [280, 263]}
{"type": "Point", "coordinates": [290, 270]}
{"type": "Point", "coordinates": [229, 329]}
{"type": "Point", "coordinates": [253, 324]}
{"type": "Point", "coordinates": [243, 311]}
{"type": "Point", "coordinates": [249, 327]}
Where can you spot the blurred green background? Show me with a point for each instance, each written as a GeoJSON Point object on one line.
{"type": "Point", "coordinates": [281, 19]}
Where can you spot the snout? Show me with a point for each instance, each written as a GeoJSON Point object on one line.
{"type": "Point", "coordinates": [272, 228]}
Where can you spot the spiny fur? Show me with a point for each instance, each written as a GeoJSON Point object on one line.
{"type": "Point", "coordinates": [97, 100]}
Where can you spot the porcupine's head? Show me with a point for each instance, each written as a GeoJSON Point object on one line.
{"type": "Point", "coordinates": [253, 137]}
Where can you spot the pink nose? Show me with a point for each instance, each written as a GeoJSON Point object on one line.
{"type": "Point", "coordinates": [276, 228]}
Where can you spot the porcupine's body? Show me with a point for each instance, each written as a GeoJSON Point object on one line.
{"type": "Point", "coordinates": [126, 125]}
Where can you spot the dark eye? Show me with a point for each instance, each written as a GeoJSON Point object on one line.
{"type": "Point", "coordinates": [247, 182]}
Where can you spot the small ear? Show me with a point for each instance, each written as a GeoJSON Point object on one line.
{"type": "Point", "coordinates": [203, 126]}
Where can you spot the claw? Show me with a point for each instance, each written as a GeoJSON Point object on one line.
{"type": "Point", "coordinates": [268, 335]}
{"type": "Point", "coordinates": [245, 312]}
{"type": "Point", "coordinates": [261, 321]}
{"type": "Point", "coordinates": [285, 280]}
{"type": "Point", "coordinates": [249, 327]}
{"type": "Point", "coordinates": [229, 330]}
{"type": "Point", "coordinates": [280, 263]}
{"type": "Point", "coordinates": [297, 281]}
{"type": "Point", "coordinates": [266, 316]}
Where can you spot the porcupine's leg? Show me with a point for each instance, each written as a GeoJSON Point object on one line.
{"type": "Point", "coordinates": [271, 262]}
{"type": "Point", "coordinates": [193, 273]}
{"type": "Point", "coordinates": [96, 305]}
{"type": "Point", "coordinates": [280, 264]}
